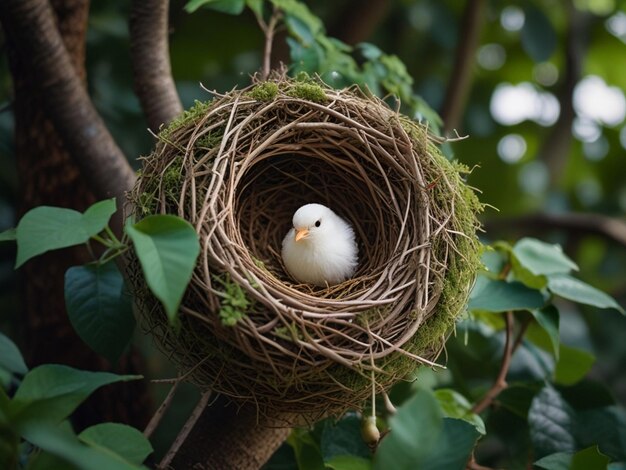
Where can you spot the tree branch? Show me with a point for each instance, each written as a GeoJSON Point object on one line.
{"type": "Point", "coordinates": [596, 224]}
{"type": "Point", "coordinates": [500, 382]}
{"type": "Point", "coordinates": [358, 20]}
{"type": "Point", "coordinates": [30, 26]}
{"type": "Point", "coordinates": [462, 73]}
{"type": "Point", "coordinates": [555, 148]}
{"type": "Point", "coordinates": [246, 444]}
{"type": "Point", "coordinates": [152, 72]}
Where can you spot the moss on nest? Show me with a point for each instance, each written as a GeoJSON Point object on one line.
{"type": "Point", "coordinates": [252, 333]}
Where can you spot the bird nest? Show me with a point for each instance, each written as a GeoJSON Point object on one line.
{"type": "Point", "coordinates": [237, 167]}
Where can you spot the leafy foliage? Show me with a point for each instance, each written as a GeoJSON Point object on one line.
{"type": "Point", "coordinates": [556, 353]}
{"type": "Point", "coordinates": [37, 413]}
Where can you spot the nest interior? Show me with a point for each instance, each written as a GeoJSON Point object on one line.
{"type": "Point", "coordinates": [237, 168]}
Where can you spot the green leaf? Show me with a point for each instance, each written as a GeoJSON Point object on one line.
{"type": "Point", "coordinates": [605, 427]}
{"type": "Point", "coordinates": [167, 247]}
{"type": "Point", "coordinates": [99, 308]}
{"type": "Point", "coordinates": [297, 9]}
{"type": "Point", "coordinates": [61, 442]}
{"type": "Point", "coordinates": [300, 30]}
{"type": "Point", "coordinates": [502, 296]}
{"type": "Point", "coordinates": [552, 423]}
{"type": "Point", "coordinates": [124, 440]}
{"type": "Point", "coordinates": [548, 319]}
{"type": "Point", "coordinates": [8, 235]}
{"type": "Point", "coordinates": [369, 51]}
{"type": "Point", "coordinates": [538, 35]}
{"type": "Point", "coordinates": [455, 405]}
{"type": "Point", "coordinates": [348, 462]}
{"type": "Point", "coordinates": [586, 459]}
{"type": "Point", "coordinates": [453, 448]}
{"type": "Point", "coordinates": [256, 6]}
{"type": "Point", "coordinates": [556, 461]}
{"type": "Point", "coordinates": [517, 398]}
{"type": "Point", "coordinates": [10, 357]}
{"type": "Point", "coordinates": [48, 228]}
{"type": "Point", "coordinates": [587, 394]}
{"type": "Point", "coordinates": [307, 452]}
{"type": "Point", "coordinates": [232, 7]}
{"type": "Point", "coordinates": [574, 289]}
{"type": "Point", "coordinates": [573, 365]}
{"type": "Point", "coordinates": [415, 429]}
{"type": "Point", "coordinates": [343, 438]}
{"type": "Point", "coordinates": [542, 258]}
{"type": "Point", "coordinates": [589, 458]}
{"type": "Point", "coordinates": [51, 392]}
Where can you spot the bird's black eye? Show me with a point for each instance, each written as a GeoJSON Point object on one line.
{"type": "Point", "coordinates": [318, 223]}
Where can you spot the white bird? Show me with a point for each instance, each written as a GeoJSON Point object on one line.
{"type": "Point", "coordinates": [320, 249]}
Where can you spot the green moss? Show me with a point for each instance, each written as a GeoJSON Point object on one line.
{"type": "Point", "coordinates": [211, 139]}
{"type": "Point", "coordinates": [304, 77]}
{"type": "Point", "coordinates": [198, 110]}
{"type": "Point", "coordinates": [266, 91]}
{"type": "Point", "coordinates": [307, 91]}
{"type": "Point", "coordinates": [235, 303]}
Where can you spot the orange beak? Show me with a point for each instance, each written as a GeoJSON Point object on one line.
{"type": "Point", "coordinates": [302, 233]}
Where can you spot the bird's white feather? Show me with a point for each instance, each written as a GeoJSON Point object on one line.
{"type": "Point", "coordinates": [328, 254]}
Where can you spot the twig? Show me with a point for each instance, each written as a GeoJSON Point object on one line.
{"type": "Point", "coordinates": [158, 415]}
{"type": "Point", "coordinates": [184, 432]}
{"type": "Point", "coordinates": [520, 334]}
{"type": "Point", "coordinates": [461, 76]}
{"type": "Point", "coordinates": [473, 465]}
{"type": "Point", "coordinates": [608, 227]}
{"type": "Point", "coordinates": [152, 72]}
{"type": "Point", "coordinates": [500, 383]}
{"type": "Point", "coordinates": [269, 29]}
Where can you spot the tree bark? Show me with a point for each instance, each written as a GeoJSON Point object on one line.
{"type": "Point", "coordinates": [152, 72]}
{"type": "Point", "coordinates": [225, 438]}
{"type": "Point", "coordinates": [47, 175]}
{"type": "Point", "coordinates": [38, 53]}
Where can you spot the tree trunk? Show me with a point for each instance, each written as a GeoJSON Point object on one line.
{"type": "Point", "coordinates": [48, 176]}
{"type": "Point", "coordinates": [225, 438]}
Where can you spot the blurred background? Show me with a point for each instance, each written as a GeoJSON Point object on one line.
{"type": "Point", "coordinates": [545, 116]}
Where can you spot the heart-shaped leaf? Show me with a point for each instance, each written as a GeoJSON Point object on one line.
{"type": "Point", "coordinates": [46, 228]}
{"type": "Point", "coordinates": [167, 247]}
{"type": "Point", "coordinates": [99, 308]}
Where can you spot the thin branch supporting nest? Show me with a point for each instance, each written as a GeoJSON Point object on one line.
{"type": "Point", "coordinates": [237, 168]}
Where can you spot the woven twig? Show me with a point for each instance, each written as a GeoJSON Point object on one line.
{"type": "Point", "coordinates": [238, 171]}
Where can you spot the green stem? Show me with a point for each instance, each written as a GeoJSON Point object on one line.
{"type": "Point", "coordinates": [103, 241]}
